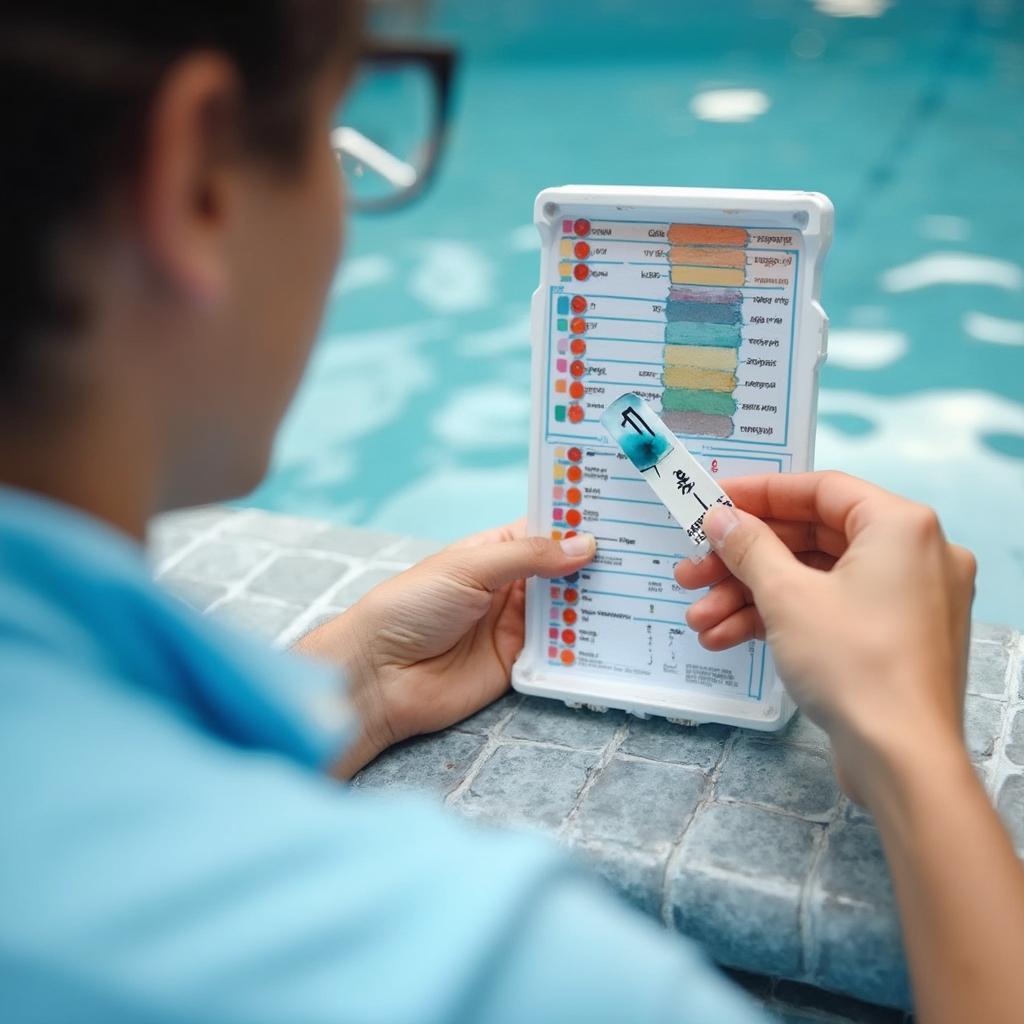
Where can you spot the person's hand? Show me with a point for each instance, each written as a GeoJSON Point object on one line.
{"type": "Point", "coordinates": [436, 643]}
{"type": "Point", "coordinates": [865, 604]}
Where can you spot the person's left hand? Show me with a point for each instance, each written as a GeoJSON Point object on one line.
{"type": "Point", "coordinates": [436, 643]}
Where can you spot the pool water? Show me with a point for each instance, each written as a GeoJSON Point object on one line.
{"type": "Point", "coordinates": [414, 414]}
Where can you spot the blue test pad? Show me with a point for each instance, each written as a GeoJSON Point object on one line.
{"type": "Point", "coordinates": [675, 476]}
{"type": "Point", "coordinates": [677, 338]}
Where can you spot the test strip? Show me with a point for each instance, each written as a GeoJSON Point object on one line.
{"type": "Point", "coordinates": [674, 475]}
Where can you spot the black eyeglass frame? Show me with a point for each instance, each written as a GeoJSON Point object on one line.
{"type": "Point", "coordinates": [440, 62]}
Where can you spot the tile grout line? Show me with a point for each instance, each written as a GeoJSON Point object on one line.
{"type": "Point", "coordinates": [604, 758]}
{"type": "Point", "coordinates": [176, 557]}
{"type": "Point", "coordinates": [491, 743]}
{"type": "Point", "coordinates": [1003, 767]}
{"type": "Point", "coordinates": [302, 623]}
{"type": "Point", "coordinates": [675, 852]}
{"type": "Point", "coordinates": [808, 944]}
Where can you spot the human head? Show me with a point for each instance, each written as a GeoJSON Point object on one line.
{"type": "Point", "coordinates": [171, 217]}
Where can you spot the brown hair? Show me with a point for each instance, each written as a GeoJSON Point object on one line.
{"type": "Point", "coordinates": [77, 78]}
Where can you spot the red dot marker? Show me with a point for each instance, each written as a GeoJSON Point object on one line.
{"type": "Point", "coordinates": [578, 325]}
{"type": "Point", "coordinates": [571, 595]}
{"type": "Point", "coordinates": [569, 616]}
{"type": "Point", "coordinates": [578, 304]}
{"type": "Point", "coordinates": [575, 413]}
{"type": "Point", "coordinates": [573, 517]}
{"type": "Point", "coordinates": [568, 636]}
{"type": "Point", "coordinates": [581, 271]}
{"type": "Point", "coordinates": [582, 250]}
{"type": "Point", "coordinates": [575, 474]}
{"type": "Point", "coordinates": [577, 346]}
{"type": "Point", "coordinates": [573, 496]}
{"type": "Point", "coordinates": [568, 657]}
{"type": "Point", "coordinates": [574, 454]}
{"type": "Point", "coordinates": [582, 227]}
{"type": "Point", "coordinates": [576, 389]}
{"type": "Point", "coordinates": [577, 368]}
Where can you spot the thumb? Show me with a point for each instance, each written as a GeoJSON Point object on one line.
{"type": "Point", "coordinates": [750, 550]}
{"type": "Point", "coordinates": [491, 566]}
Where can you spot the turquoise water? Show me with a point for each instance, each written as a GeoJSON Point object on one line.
{"type": "Point", "coordinates": [414, 414]}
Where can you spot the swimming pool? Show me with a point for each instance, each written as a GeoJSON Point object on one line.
{"type": "Point", "coordinates": [414, 414]}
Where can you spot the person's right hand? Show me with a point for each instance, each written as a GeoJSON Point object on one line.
{"type": "Point", "coordinates": [865, 604]}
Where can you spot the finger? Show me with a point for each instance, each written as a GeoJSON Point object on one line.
{"type": "Point", "coordinates": [797, 536]}
{"type": "Point", "coordinates": [744, 625]}
{"type": "Point", "coordinates": [828, 497]}
{"type": "Point", "coordinates": [721, 601]}
{"type": "Point", "coordinates": [808, 536]}
{"type": "Point", "coordinates": [491, 566]}
{"type": "Point", "coordinates": [510, 531]}
{"type": "Point", "coordinates": [752, 552]}
{"type": "Point", "coordinates": [705, 573]}
{"type": "Point", "coordinates": [817, 560]}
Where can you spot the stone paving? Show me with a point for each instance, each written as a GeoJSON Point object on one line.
{"type": "Point", "coordinates": [739, 839]}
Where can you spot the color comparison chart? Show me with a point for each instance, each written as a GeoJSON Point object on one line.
{"type": "Point", "coordinates": [698, 319]}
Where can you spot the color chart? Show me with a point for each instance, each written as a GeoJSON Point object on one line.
{"type": "Point", "coordinates": [701, 317]}
{"type": "Point", "coordinates": [696, 318]}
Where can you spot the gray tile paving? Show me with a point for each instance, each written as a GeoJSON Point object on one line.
{"type": "Point", "coordinates": [854, 943]}
{"type": "Point", "coordinates": [635, 872]}
{"type": "Point", "coordinates": [779, 775]}
{"type": "Point", "coordinates": [662, 740]}
{"type": "Point", "coordinates": [436, 763]}
{"type": "Point", "coordinates": [166, 541]}
{"type": "Point", "coordinates": [361, 584]}
{"type": "Point", "coordinates": [1015, 741]}
{"type": "Point", "coordinates": [492, 715]}
{"type": "Point", "coordinates": [983, 722]}
{"type": "Point", "coordinates": [527, 784]}
{"type": "Point", "coordinates": [1004, 635]}
{"type": "Point", "coordinates": [1010, 804]}
{"type": "Point", "coordinates": [536, 719]}
{"type": "Point", "coordinates": [267, 619]}
{"type": "Point", "coordinates": [200, 594]}
{"type": "Point", "coordinates": [736, 886]}
{"type": "Point", "coordinates": [220, 561]}
{"type": "Point", "coordinates": [285, 531]}
{"type": "Point", "coordinates": [648, 803]}
{"type": "Point", "coordinates": [348, 540]}
{"type": "Point", "coordinates": [299, 579]}
{"type": "Point", "coordinates": [413, 549]}
{"type": "Point", "coordinates": [739, 839]}
{"type": "Point", "coordinates": [987, 667]}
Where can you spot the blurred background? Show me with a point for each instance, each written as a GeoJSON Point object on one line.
{"type": "Point", "coordinates": [909, 114]}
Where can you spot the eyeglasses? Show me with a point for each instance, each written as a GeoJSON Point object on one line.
{"type": "Point", "coordinates": [392, 125]}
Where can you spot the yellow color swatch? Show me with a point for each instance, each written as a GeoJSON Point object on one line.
{"type": "Point", "coordinates": [559, 474]}
{"type": "Point", "coordinates": [565, 269]}
{"type": "Point", "coordinates": [565, 249]}
{"type": "Point", "coordinates": [707, 275]}
{"type": "Point", "coordinates": [707, 256]}
{"type": "Point", "coordinates": [699, 380]}
{"type": "Point", "coordinates": [707, 357]}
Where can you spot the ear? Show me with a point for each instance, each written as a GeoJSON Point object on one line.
{"type": "Point", "coordinates": [186, 181]}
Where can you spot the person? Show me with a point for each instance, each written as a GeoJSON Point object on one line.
{"type": "Point", "coordinates": [175, 846]}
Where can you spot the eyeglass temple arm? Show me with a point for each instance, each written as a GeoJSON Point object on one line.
{"type": "Point", "coordinates": [395, 171]}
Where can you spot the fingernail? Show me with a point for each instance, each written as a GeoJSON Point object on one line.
{"type": "Point", "coordinates": [579, 545]}
{"type": "Point", "coordinates": [719, 522]}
